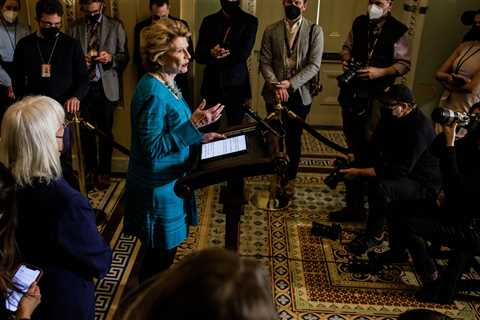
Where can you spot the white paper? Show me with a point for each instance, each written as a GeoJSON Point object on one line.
{"type": "Point", "coordinates": [223, 147]}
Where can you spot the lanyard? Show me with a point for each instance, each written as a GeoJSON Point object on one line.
{"type": "Point", "coordinates": [464, 58]}
{"type": "Point", "coordinates": [226, 34]}
{"type": "Point", "coordinates": [51, 53]}
{"type": "Point", "coordinates": [371, 49]}
{"type": "Point", "coordinates": [14, 41]}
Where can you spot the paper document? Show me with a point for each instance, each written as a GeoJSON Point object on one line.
{"type": "Point", "coordinates": [223, 147]}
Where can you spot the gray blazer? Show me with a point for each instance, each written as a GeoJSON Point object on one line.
{"type": "Point", "coordinates": [113, 39]}
{"type": "Point", "coordinates": [273, 59]}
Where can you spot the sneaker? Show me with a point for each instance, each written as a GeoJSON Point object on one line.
{"type": "Point", "coordinates": [348, 214]}
{"type": "Point", "coordinates": [362, 244]}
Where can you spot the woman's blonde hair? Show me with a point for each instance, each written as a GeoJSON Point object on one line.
{"type": "Point", "coordinates": [157, 39]}
{"type": "Point", "coordinates": [28, 139]}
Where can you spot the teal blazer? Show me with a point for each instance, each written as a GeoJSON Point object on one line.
{"type": "Point", "coordinates": [161, 135]}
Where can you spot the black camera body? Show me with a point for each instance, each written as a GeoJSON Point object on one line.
{"type": "Point", "coordinates": [333, 232]}
{"type": "Point", "coordinates": [446, 116]}
{"type": "Point", "coordinates": [353, 69]}
{"type": "Point", "coordinates": [336, 176]}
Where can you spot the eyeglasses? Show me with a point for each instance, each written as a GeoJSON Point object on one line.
{"type": "Point", "coordinates": [51, 25]}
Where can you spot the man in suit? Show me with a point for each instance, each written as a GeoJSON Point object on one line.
{"type": "Point", "coordinates": [104, 42]}
{"type": "Point", "coordinates": [225, 42]}
{"type": "Point", "coordinates": [290, 57]}
{"type": "Point", "coordinates": [161, 9]}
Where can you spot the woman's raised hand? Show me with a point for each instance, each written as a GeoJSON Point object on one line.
{"type": "Point", "coordinates": [202, 117]}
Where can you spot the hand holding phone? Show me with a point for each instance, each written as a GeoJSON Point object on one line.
{"type": "Point", "coordinates": [29, 302]}
{"type": "Point", "coordinates": [23, 279]}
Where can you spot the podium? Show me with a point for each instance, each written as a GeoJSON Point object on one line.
{"type": "Point", "coordinates": [264, 155]}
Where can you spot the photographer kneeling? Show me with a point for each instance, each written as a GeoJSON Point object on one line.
{"type": "Point", "coordinates": [374, 54]}
{"type": "Point", "coordinates": [455, 222]}
{"type": "Point", "coordinates": [402, 167]}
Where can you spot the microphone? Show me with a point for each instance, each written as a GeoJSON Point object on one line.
{"type": "Point", "coordinates": [260, 121]}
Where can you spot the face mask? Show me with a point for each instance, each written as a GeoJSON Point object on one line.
{"type": "Point", "coordinates": [49, 33]}
{"type": "Point", "coordinates": [230, 7]}
{"type": "Point", "coordinates": [292, 12]}
{"type": "Point", "coordinates": [374, 12]}
{"type": "Point", "coordinates": [10, 16]}
{"type": "Point", "coordinates": [93, 17]}
{"type": "Point", "coordinates": [473, 34]}
{"type": "Point", "coordinates": [67, 144]}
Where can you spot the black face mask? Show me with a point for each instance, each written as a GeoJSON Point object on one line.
{"type": "Point", "coordinates": [473, 34]}
{"type": "Point", "coordinates": [93, 18]}
{"type": "Point", "coordinates": [292, 12]}
{"type": "Point", "coordinates": [50, 33]}
{"type": "Point", "coordinates": [230, 7]}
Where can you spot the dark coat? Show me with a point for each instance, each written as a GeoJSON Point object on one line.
{"type": "Point", "coordinates": [231, 71]}
{"type": "Point", "coordinates": [57, 233]}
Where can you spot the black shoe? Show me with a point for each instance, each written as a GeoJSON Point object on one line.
{"type": "Point", "coordinates": [348, 215]}
{"type": "Point", "coordinates": [362, 244]}
{"type": "Point", "coordinates": [388, 257]}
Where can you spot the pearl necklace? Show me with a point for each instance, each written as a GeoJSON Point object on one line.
{"type": "Point", "coordinates": [171, 86]}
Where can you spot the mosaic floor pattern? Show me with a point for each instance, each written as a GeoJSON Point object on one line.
{"type": "Point", "coordinates": [310, 277]}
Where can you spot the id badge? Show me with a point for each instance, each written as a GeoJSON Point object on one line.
{"type": "Point", "coordinates": [46, 70]}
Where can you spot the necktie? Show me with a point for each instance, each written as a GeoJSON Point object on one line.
{"type": "Point", "coordinates": [93, 49]}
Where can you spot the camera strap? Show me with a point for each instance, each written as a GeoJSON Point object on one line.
{"type": "Point", "coordinates": [464, 58]}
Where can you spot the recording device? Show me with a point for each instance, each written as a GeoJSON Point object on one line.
{"type": "Point", "coordinates": [336, 176]}
{"type": "Point", "coordinates": [333, 232]}
{"type": "Point", "coordinates": [353, 69]}
{"type": "Point", "coordinates": [448, 117]}
{"type": "Point", "coordinates": [22, 280]}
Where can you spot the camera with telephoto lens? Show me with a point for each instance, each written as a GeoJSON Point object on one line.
{"type": "Point", "coordinates": [448, 117]}
{"type": "Point", "coordinates": [332, 232]}
{"type": "Point", "coordinates": [353, 68]}
{"type": "Point", "coordinates": [336, 176]}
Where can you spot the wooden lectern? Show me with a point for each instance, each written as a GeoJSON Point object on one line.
{"type": "Point", "coordinates": [263, 156]}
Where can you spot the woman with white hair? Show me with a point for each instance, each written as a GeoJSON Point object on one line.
{"type": "Point", "coordinates": [56, 225]}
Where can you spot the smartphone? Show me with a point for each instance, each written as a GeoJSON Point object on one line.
{"type": "Point", "coordinates": [22, 280]}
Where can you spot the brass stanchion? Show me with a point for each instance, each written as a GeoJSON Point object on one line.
{"type": "Point", "coordinates": [77, 151]}
{"type": "Point", "coordinates": [275, 198]}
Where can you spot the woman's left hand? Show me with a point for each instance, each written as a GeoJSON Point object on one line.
{"type": "Point", "coordinates": [202, 117]}
{"type": "Point", "coordinates": [210, 136]}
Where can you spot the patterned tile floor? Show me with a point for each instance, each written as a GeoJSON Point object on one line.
{"type": "Point", "coordinates": [310, 275]}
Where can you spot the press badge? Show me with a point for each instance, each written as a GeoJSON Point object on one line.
{"type": "Point", "coordinates": [46, 70]}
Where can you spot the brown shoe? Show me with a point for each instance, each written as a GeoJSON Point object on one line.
{"type": "Point", "coordinates": [103, 182]}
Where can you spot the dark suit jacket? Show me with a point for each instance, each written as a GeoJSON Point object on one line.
{"type": "Point", "coordinates": [231, 71]}
{"type": "Point", "coordinates": [57, 233]}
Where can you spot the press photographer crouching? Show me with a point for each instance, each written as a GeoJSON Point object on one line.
{"type": "Point", "coordinates": [401, 168]}
{"type": "Point", "coordinates": [454, 222]}
{"type": "Point", "coordinates": [374, 54]}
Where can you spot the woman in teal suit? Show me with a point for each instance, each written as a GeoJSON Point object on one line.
{"type": "Point", "coordinates": [163, 128]}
